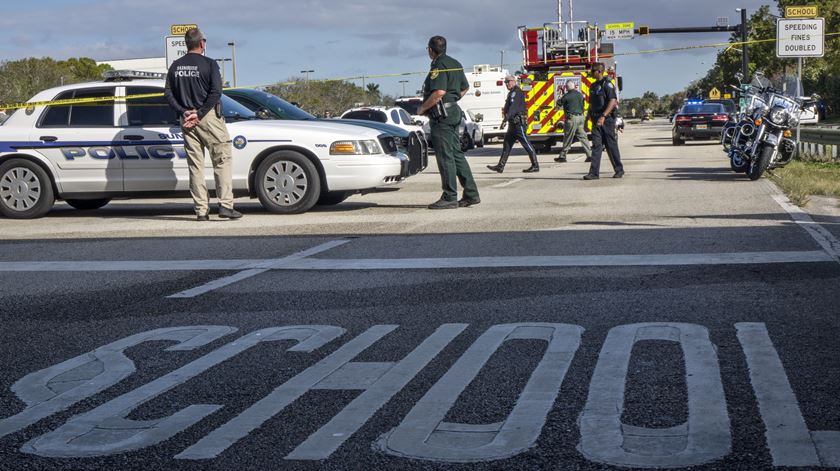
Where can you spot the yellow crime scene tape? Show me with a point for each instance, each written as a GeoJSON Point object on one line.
{"type": "Point", "coordinates": [89, 100]}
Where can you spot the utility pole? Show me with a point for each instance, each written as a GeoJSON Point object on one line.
{"type": "Point", "coordinates": [233, 60]}
{"type": "Point", "coordinates": [502, 61]}
{"type": "Point", "coordinates": [745, 60]}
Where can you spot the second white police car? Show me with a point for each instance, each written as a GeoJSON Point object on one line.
{"type": "Point", "coordinates": [87, 153]}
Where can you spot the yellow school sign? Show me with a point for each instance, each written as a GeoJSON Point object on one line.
{"type": "Point", "coordinates": [803, 11]}
{"type": "Point", "coordinates": [714, 94]}
{"type": "Point", "coordinates": [180, 30]}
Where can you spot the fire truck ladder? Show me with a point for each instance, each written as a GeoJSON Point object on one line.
{"type": "Point", "coordinates": [563, 43]}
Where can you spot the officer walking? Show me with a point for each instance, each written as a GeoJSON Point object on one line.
{"type": "Point", "coordinates": [602, 103]}
{"type": "Point", "coordinates": [444, 86]}
{"type": "Point", "coordinates": [575, 123]}
{"type": "Point", "coordinates": [515, 115]}
{"type": "Point", "coordinates": [194, 90]}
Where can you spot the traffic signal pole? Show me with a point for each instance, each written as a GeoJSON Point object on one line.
{"type": "Point", "coordinates": [745, 60]}
{"type": "Point", "coordinates": [742, 28]}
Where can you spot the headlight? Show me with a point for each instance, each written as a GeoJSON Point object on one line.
{"type": "Point", "coordinates": [778, 115]}
{"type": "Point", "coordinates": [368, 147]}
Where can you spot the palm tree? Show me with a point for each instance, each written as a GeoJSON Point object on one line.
{"type": "Point", "coordinates": [373, 92]}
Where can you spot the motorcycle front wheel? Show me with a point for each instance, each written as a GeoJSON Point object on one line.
{"type": "Point", "coordinates": [738, 164]}
{"type": "Point", "coordinates": [759, 165]}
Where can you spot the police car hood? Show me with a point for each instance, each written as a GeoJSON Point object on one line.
{"type": "Point", "coordinates": [275, 128]}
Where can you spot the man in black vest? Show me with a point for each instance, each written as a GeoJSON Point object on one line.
{"type": "Point", "coordinates": [603, 100]}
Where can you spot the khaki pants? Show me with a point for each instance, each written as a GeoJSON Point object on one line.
{"type": "Point", "coordinates": [575, 127]}
{"type": "Point", "coordinates": [210, 135]}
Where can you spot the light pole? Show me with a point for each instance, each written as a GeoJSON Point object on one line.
{"type": "Point", "coordinates": [307, 72]}
{"type": "Point", "coordinates": [502, 61]}
{"type": "Point", "coordinates": [745, 60]}
{"type": "Point", "coordinates": [222, 66]}
{"type": "Point", "coordinates": [233, 60]}
{"type": "Point", "coordinates": [403, 82]}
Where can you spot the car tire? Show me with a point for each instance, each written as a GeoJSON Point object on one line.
{"type": "Point", "coordinates": [85, 205]}
{"type": "Point", "coordinates": [480, 142]}
{"type": "Point", "coordinates": [677, 141]}
{"type": "Point", "coordinates": [287, 183]}
{"type": "Point", "coordinates": [466, 142]}
{"type": "Point", "coordinates": [26, 190]}
{"type": "Point", "coordinates": [330, 198]}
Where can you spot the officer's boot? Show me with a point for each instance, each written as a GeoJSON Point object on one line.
{"type": "Point", "coordinates": [535, 164]}
{"type": "Point", "coordinates": [500, 167]}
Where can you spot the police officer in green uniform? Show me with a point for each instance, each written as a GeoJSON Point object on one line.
{"type": "Point", "coordinates": [444, 86]}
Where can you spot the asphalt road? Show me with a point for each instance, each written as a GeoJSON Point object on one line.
{"type": "Point", "coordinates": [679, 318]}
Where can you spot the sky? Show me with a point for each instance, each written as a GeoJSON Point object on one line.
{"type": "Point", "coordinates": [337, 39]}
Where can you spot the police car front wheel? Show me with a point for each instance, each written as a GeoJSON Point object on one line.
{"type": "Point", "coordinates": [26, 190]}
{"type": "Point", "coordinates": [287, 183]}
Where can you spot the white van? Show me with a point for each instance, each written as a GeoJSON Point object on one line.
{"type": "Point", "coordinates": [486, 98]}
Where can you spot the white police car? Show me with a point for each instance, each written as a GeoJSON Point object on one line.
{"type": "Point", "coordinates": [88, 153]}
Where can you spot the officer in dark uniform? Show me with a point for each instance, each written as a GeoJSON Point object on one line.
{"type": "Point", "coordinates": [602, 103]}
{"type": "Point", "coordinates": [444, 86]}
{"type": "Point", "coordinates": [515, 115]}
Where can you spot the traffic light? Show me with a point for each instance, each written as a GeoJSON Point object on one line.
{"type": "Point", "coordinates": [644, 30]}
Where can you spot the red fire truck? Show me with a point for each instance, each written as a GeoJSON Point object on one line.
{"type": "Point", "coordinates": [552, 55]}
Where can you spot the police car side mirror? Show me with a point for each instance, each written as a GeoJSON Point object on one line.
{"type": "Point", "coordinates": [263, 113]}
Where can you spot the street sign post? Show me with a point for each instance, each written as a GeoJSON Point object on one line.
{"type": "Point", "coordinates": [799, 38]}
{"type": "Point", "coordinates": [176, 47]}
{"type": "Point", "coordinates": [615, 31]}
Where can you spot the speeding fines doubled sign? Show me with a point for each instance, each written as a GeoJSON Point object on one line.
{"type": "Point", "coordinates": [800, 37]}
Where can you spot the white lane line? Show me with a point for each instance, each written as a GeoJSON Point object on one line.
{"type": "Point", "coordinates": [508, 183]}
{"type": "Point", "coordinates": [826, 239]}
{"type": "Point", "coordinates": [128, 265]}
{"type": "Point", "coordinates": [256, 269]}
{"type": "Point", "coordinates": [298, 262]}
{"type": "Point", "coordinates": [562, 261]}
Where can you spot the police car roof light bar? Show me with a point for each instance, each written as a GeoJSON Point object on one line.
{"type": "Point", "coordinates": [122, 75]}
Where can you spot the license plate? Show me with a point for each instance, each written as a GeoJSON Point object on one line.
{"type": "Point", "coordinates": [702, 126]}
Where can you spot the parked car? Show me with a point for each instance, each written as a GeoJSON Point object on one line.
{"type": "Point", "coordinates": [813, 113]}
{"type": "Point", "coordinates": [699, 121]}
{"type": "Point", "coordinates": [470, 132]}
{"type": "Point", "coordinates": [269, 106]}
{"type": "Point", "coordinates": [87, 153]}
{"type": "Point", "coordinates": [392, 115]}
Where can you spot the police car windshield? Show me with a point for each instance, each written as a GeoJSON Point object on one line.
{"type": "Point", "coordinates": [710, 108]}
{"type": "Point", "coordinates": [232, 109]}
{"type": "Point", "coordinates": [285, 109]}
{"type": "Point", "coordinates": [410, 106]}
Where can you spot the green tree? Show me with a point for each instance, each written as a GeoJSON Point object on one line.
{"type": "Point", "coordinates": [21, 79]}
{"type": "Point", "coordinates": [819, 75]}
{"type": "Point", "coordinates": [319, 96]}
